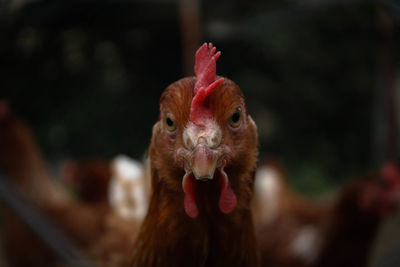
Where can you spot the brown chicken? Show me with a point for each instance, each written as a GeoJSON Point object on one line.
{"type": "Point", "coordinates": [203, 158]}
{"type": "Point", "coordinates": [105, 237]}
{"type": "Point", "coordinates": [355, 218]}
{"type": "Point", "coordinates": [122, 183]}
{"type": "Point", "coordinates": [20, 156]}
{"type": "Point", "coordinates": [338, 233]}
{"type": "Point", "coordinates": [90, 179]}
{"type": "Point", "coordinates": [288, 225]}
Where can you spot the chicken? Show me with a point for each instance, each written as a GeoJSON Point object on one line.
{"type": "Point", "coordinates": [357, 213]}
{"type": "Point", "coordinates": [22, 162]}
{"type": "Point", "coordinates": [119, 187]}
{"type": "Point", "coordinates": [89, 179]}
{"type": "Point", "coordinates": [92, 225]}
{"type": "Point", "coordinates": [338, 233]}
{"type": "Point", "coordinates": [122, 183]}
{"type": "Point", "coordinates": [20, 156]}
{"type": "Point", "coordinates": [288, 225]}
{"type": "Point", "coordinates": [273, 195]}
{"type": "Point", "coordinates": [127, 193]}
{"type": "Point", "coordinates": [203, 158]}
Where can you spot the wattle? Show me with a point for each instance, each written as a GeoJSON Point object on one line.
{"type": "Point", "coordinates": [227, 200]}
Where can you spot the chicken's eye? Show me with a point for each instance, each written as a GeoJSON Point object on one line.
{"type": "Point", "coordinates": [236, 118]}
{"type": "Point", "coordinates": [170, 124]}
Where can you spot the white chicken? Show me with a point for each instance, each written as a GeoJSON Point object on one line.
{"type": "Point", "coordinates": [127, 191]}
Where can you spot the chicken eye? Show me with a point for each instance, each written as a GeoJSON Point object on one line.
{"type": "Point", "coordinates": [170, 124]}
{"type": "Point", "coordinates": [236, 118]}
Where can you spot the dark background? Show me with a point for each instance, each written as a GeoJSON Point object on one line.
{"type": "Point", "coordinates": [320, 77]}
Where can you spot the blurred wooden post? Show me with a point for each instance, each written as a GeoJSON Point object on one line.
{"type": "Point", "coordinates": [396, 107]}
{"type": "Point", "coordinates": [385, 144]}
{"type": "Point", "coordinates": [189, 12]}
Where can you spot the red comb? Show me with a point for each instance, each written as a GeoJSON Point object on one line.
{"type": "Point", "coordinates": [205, 70]}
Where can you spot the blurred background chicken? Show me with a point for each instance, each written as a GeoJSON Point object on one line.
{"type": "Point", "coordinates": [288, 225]}
{"type": "Point", "coordinates": [129, 188]}
{"type": "Point", "coordinates": [96, 227]}
{"type": "Point", "coordinates": [340, 231]}
{"type": "Point", "coordinates": [122, 183]}
{"type": "Point", "coordinates": [20, 157]}
{"type": "Point", "coordinates": [89, 180]}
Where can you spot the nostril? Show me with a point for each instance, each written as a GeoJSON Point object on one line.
{"type": "Point", "coordinates": [189, 143]}
{"type": "Point", "coordinates": [187, 140]}
{"type": "Point", "coordinates": [201, 140]}
{"type": "Point", "coordinates": [214, 141]}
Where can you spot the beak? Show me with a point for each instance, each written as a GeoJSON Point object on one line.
{"type": "Point", "coordinates": [203, 162]}
{"type": "Point", "coordinates": [203, 151]}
